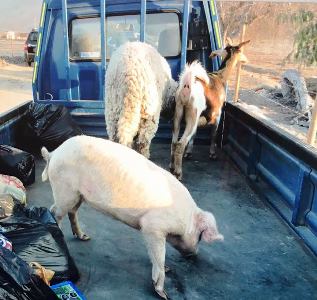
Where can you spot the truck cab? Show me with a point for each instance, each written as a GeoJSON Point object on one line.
{"type": "Point", "coordinates": [70, 70]}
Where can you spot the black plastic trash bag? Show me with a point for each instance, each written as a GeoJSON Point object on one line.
{"type": "Point", "coordinates": [18, 281]}
{"type": "Point", "coordinates": [36, 237]}
{"type": "Point", "coordinates": [49, 125]}
{"type": "Point", "coordinates": [17, 163]}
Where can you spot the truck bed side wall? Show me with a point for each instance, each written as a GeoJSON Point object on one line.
{"type": "Point", "coordinates": [281, 168]}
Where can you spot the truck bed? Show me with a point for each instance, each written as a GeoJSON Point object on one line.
{"type": "Point", "coordinates": [260, 258]}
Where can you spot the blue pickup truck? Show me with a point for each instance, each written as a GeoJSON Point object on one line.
{"type": "Point", "coordinates": [262, 189]}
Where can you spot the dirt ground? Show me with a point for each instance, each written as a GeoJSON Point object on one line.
{"type": "Point", "coordinates": [270, 44]}
{"type": "Point", "coordinates": [15, 85]}
{"type": "Point", "coordinates": [271, 113]}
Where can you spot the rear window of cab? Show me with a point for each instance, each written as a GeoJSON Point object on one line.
{"type": "Point", "coordinates": [162, 32]}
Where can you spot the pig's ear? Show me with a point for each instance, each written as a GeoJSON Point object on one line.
{"type": "Point", "coordinates": [207, 227]}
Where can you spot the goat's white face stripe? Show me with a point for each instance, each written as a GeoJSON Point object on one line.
{"type": "Point", "coordinates": [219, 52]}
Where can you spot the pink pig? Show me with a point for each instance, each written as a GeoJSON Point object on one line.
{"type": "Point", "coordinates": [124, 184]}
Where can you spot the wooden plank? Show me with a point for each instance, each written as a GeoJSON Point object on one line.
{"type": "Point", "coordinates": [313, 125]}
{"type": "Point", "coordinates": [237, 87]}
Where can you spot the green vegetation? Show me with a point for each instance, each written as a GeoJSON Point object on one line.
{"type": "Point", "coordinates": [305, 39]}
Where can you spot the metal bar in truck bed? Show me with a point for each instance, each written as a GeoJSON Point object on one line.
{"type": "Point", "coordinates": [143, 20]}
{"type": "Point", "coordinates": [103, 47]}
{"type": "Point", "coordinates": [185, 33]}
{"type": "Point", "coordinates": [66, 49]}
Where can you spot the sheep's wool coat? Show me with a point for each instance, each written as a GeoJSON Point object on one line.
{"type": "Point", "coordinates": [137, 81]}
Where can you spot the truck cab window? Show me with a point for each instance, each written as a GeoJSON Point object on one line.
{"type": "Point", "coordinates": [162, 32]}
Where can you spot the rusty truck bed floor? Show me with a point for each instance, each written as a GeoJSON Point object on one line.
{"type": "Point", "coordinates": [260, 258]}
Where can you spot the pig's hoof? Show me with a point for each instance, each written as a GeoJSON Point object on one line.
{"type": "Point", "coordinates": [82, 237]}
{"type": "Point", "coordinates": [162, 294]}
{"type": "Point", "coordinates": [167, 269]}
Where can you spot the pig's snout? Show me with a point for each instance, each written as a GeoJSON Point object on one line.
{"type": "Point", "coordinates": [185, 249]}
{"type": "Point", "coordinates": [190, 254]}
{"type": "Point", "coordinates": [187, 252]}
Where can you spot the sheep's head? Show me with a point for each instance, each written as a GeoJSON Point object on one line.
{"type": "Point", "coordinates": [204, 228]}
{"type": "Point", "coordinates": [231, 54]}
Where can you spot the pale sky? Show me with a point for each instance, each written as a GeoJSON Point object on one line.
{"type": "Point", "coordinates": [19, 15]}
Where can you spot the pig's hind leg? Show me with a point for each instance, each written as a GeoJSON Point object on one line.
{"type": "Point", "coordinates": [67, 201]}
{"type": "Point", "coordinates": [73, 218]}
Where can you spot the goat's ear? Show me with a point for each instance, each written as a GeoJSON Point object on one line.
{"type": "Point", "coordinates": [207, 227]}
{"type": "Point", "coordinates": [219, 52]}
{"type": "Point", "coordinates": [244, 43]}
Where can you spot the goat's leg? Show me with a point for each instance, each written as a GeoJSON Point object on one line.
{"type": "Point", "coordinates": [156, 245]}
{"type": "Point", "coordinates": [212, 149]}
{"type": "Point", "coordinates": [192, 116]}
{"type": "Point", "coordinates": [179, 111]}
{"type": "Point", "coordinates": [214, 130]}
{"type": "Point", "coordinates": [189, 148]}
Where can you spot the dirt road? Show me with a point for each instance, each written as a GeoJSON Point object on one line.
{"type": "Point", "coordinates": [15, 86]}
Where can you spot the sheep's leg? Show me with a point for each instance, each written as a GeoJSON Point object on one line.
{"type": "Point", "coordinates": [192, 117]}
{"type": "Point", "coordinates": [179, 111]}
{"type": "Point", "coordinates": [202, 121]}
{"type": "Point", "coordinates": [73, 218]}
{"type": "Point", "coordinates": [147, 130]}
{"type": "Point", "coordinates": [156, 245]}
{"type": "Point", "coordinates": [130, 117]}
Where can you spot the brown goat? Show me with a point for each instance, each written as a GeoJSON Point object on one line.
{"type": "Point", "coordinates": [201, 96]}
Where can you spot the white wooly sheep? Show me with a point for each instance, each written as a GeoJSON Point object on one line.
{"type": "Point", "coordinates": [122, 183]}
{"type": "Point", "coordinates": [138, 86]}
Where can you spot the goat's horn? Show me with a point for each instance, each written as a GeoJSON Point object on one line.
{"type": "Point", "coordinates": [244, 43]}
{"type": "Point", "coordinates": [229, 41]}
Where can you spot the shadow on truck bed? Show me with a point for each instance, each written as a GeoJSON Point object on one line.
{"type": "Point", "coordinates": [260, 258]}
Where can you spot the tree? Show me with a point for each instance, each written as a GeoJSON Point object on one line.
{"type": "Point", "coordinates": [233, 15]}
{"type": "Point", "coordinates": [305, 39]}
